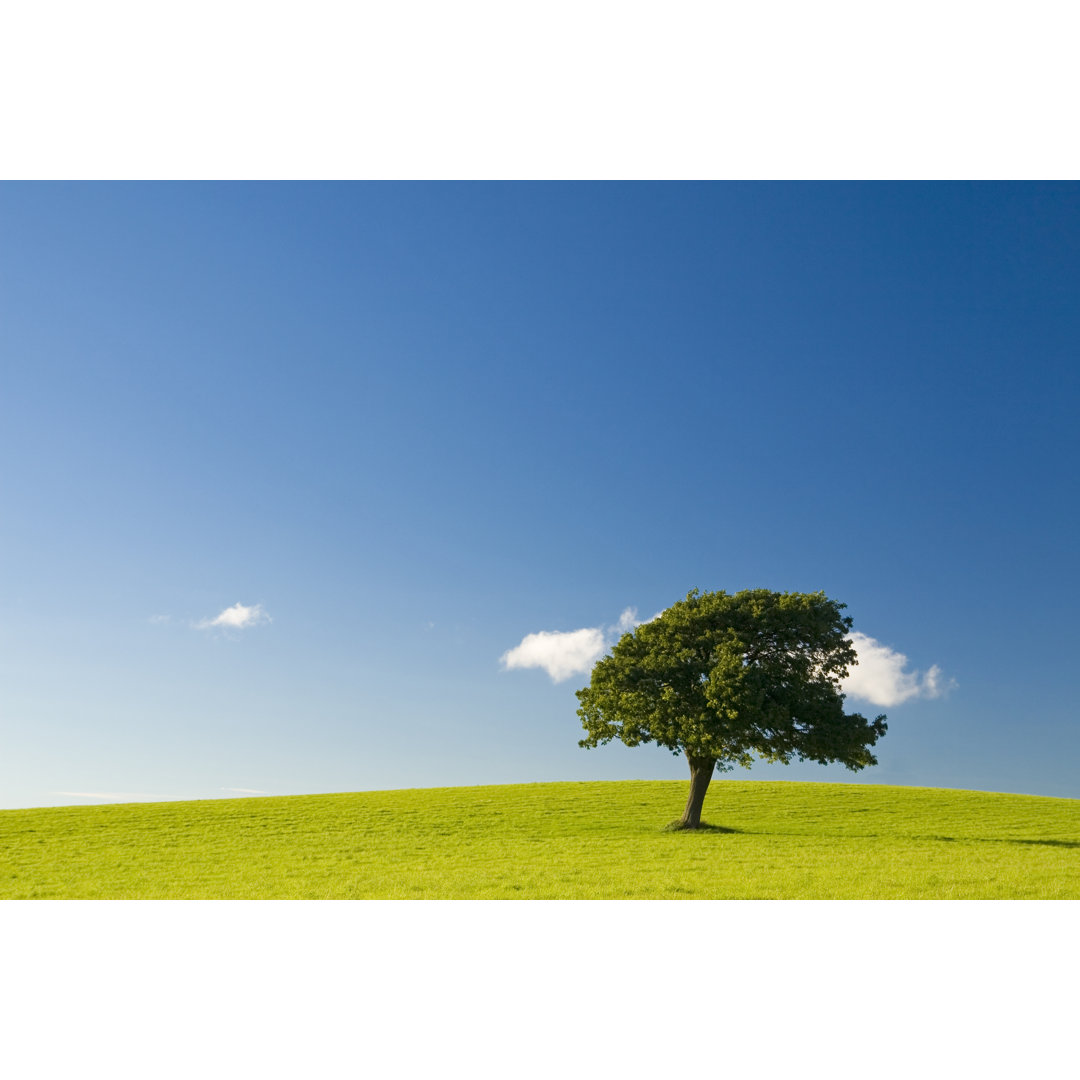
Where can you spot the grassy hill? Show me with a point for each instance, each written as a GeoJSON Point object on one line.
{"type": "Point", "coordinates": [554, 841]}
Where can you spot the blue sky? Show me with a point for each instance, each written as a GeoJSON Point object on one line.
{"type": "Point", "coordinates": [383, 433]}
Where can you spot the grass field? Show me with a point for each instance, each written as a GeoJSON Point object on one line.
{"type": "Point", "coordinates": [554, 841]}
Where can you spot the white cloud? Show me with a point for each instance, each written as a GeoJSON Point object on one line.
{"type": "Point", "coordinates": [880, 677]}
{"type": "Point", "coordinates": [245, 791]}
{"type": "Point", "coordinates": [570, 652]}
{"type": "Point", "coordinates": [560, 654]}
{"type": "Point", "coordinates": [237, 617]}
{"type": "Point", "coordinates": [157, 620]}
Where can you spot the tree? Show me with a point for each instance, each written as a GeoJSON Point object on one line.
{"type": "Point", "coordinates": [721, 677]}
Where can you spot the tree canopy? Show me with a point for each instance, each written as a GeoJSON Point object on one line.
{"type": "Point", "coordinates": [722, 678]}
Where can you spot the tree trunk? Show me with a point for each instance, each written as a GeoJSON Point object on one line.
{"type": "Point", "coordinates": [701, 770]}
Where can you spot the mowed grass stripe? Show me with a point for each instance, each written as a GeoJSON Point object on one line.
{"type": "Point", "coordinates": [769, 840]}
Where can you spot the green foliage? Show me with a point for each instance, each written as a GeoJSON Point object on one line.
{"type": "Point", "coordinates": [774, 840]}
{"type": "Point", "coordinates": [730, 676]}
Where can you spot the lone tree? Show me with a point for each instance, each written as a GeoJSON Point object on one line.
{"type": "Point", "coordinates": [721, 677]}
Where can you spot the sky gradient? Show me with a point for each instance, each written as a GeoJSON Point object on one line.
{"type": "Point", "coordinates": [292, 471]}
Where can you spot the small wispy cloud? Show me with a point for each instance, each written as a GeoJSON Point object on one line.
{"type": "Point", "coordinates": [157, 620]}
{"type": "Point", "coordinates": [881, 679]}
{"type": "Point", "coordinates": [237, 617]}
{"type": "Point", "coordinates": [562, 653]}
{"type": "Point", "coordinates": [627, 621]}
{"type": "Point", "coordinates": [245, 791]}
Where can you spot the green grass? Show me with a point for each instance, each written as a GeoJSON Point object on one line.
{"type": "Point", "coordinates": [554, 841]}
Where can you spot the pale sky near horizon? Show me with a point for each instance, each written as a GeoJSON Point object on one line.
{"type": "Point", "coordinates": [329, 487]}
